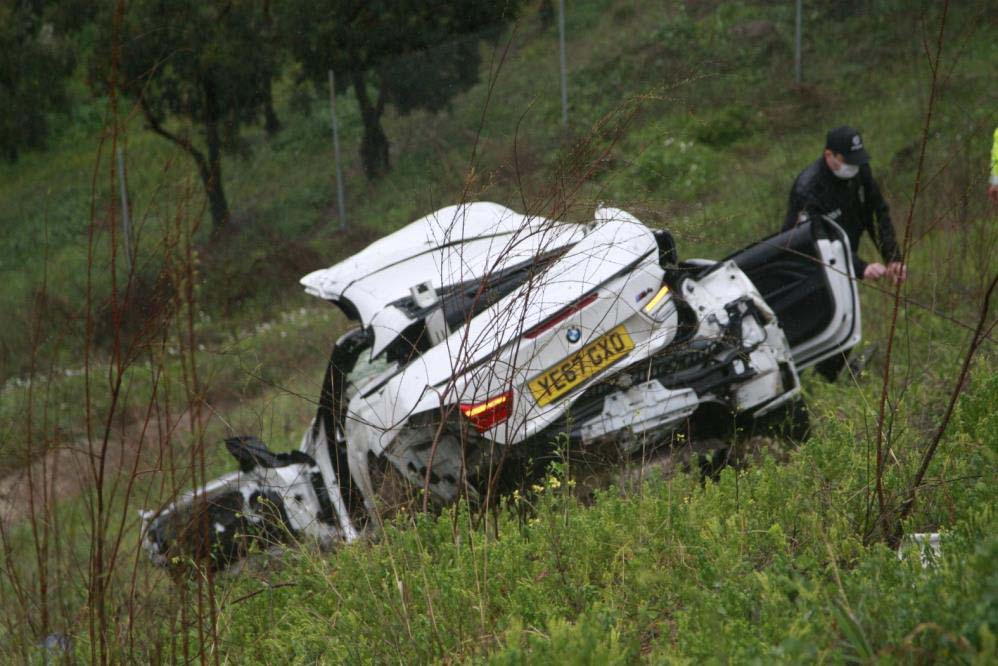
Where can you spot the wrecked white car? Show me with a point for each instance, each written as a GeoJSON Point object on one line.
{"type": "Point", "coordinates": [483, 336]}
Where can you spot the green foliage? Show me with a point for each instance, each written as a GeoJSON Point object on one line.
{"type": "Point", "coordinates": [209, 63]}
{"type": "Point", "coordinates": [976, 414]}
{"type": "Point", "coordinates": [187, 59]}
{"type": "Point", "coordinates": [724, 127]}
{"type": "Point", "coordinates": [420, 55]}
{"type": "Point", "coordinates": [34, 66]}
{"type": "Point", "coordinates": [677, 32]}
{"type": "Point", "coordinates": [592, 640]}
{"type": "Point", "coordinates": [676, 166]}
{"type": "Point", "coordinates": [765, 565]}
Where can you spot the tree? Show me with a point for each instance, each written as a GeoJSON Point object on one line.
{"type": "Point", "coordinates": [34, 65]}
{"type": "Point", "coordinates": [417, 55]}
{"type": "Point", "coordinates": [209, 62]}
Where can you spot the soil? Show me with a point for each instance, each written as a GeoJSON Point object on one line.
{"type": "Point", "coordinates": [65, 472]}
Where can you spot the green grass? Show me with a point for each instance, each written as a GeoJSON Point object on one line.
{"type": "Point", "coordinates": [672, 118]}
{"type": "Point", "coordinates": [766, 564]}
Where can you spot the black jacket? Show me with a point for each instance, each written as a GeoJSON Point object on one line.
{"type": "Point", "coordinates": [851, 203]}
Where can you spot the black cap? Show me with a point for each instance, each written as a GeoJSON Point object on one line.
{"type": "Point", "coordinates": [849, 143]}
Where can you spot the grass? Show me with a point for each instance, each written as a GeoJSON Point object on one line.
{"type": "Point", "coordinates": [674, 118]}
{"type": "Point", "coordinates": [763, 565]}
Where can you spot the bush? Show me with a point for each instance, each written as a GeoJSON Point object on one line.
{"type": "Point", "coordinates": [679, 167]}
{"type": "Point", "coordinates": [725, 126]}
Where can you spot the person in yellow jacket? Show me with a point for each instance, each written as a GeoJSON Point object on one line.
{"type": "Point", "coordinates": [993, 183]}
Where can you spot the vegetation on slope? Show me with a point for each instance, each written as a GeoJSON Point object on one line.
{"type": "Point", "coordinates": [768, 564]}
{"type": "Point", "coordinates": [683, 113]}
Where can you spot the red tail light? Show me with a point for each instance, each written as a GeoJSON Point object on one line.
{"type": "Point", "coordinates": [560, 316]}
{"type": "Point", "coordinates": [484, 415]}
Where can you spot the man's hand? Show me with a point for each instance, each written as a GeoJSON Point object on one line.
{"type": "Point", "coordinates": [874, 271]}
{"type": "Point", "coordinates": [897, 271]}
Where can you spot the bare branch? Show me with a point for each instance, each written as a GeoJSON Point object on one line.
{"type": "Point", "coordinates": [975, 344]}
{"type": "Point", "coordinates": [906, 245]}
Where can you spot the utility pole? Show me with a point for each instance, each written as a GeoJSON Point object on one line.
{"type": "Point", "coordinates": [340, 206]}
{"type": "Point", "coordinates": [561, 50]}
{"type": "Point", "coordinates": [798, 64]}
{"type": "Point", "coordinates": [126, 223]}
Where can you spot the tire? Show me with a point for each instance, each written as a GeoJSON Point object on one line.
{"type": "Point", "coordinates": [790, 422]}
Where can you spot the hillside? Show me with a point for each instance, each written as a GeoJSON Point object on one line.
{"type": "Point", "coordinates": [120, 379]}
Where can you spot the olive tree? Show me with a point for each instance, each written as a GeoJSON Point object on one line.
{"type": "Point", "coordinates": [35, 60]}
{"type": "Point", "coordinates": [209, 63]}
{"type": "Point", "coordinates": [414, 55]}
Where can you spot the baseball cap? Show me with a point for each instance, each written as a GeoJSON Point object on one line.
{"type": "Point", "coordinates": [849, 143]}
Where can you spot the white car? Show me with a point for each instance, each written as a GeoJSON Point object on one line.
{"type": "Point", "coordinates": [484, 335]}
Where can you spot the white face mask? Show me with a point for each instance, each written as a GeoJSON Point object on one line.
{"type": "Point", "coordinates": [846, 171]}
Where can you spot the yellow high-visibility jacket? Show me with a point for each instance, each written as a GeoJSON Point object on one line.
{"type": "Point", "coordinates": [994, 159]}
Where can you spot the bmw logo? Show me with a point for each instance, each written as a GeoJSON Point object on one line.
{"type": "Point", "coordinates": [573, 334]}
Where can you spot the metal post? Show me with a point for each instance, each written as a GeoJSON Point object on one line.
{"type": "Point", "coordinates": [126, 224]}
{"type": "Point", "coordinates": [341, 207]}
{"type": "Point", "coordinates": [798, 65]}
{"type": "Point", "coordinates": [564, 80]}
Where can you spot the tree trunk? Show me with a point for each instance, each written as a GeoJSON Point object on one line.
{"type": "Point", "coordinates": [209, 169]}
{"type": "Point", "coordinates": [212, 174]}
{"type": "Point", "coordinates": [374, 145]}
{"type": "Point", "coordinates": [271, 123]}
{"type": "Point", "coordinates": [546, 13]}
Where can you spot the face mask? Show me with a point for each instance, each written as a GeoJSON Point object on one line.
{"type": "Point", "coordinates": [846, 171]}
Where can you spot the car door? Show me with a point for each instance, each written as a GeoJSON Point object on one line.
{"type": "Point", "coordinates": [806, 276]}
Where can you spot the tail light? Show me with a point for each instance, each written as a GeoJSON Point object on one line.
{"type": "Point", "coordinates": [662, 293]}
{"type": "Point", "coordinates": [485, 415]}
{"type": "Point", "coordinates": [560, 316]}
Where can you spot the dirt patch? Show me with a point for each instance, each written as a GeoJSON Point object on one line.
{"type": "Point", "coordinates": [60, 473]}
{"type": "Point", "coordinates": [65, 472]}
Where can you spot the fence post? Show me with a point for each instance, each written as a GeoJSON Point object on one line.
{"type": "Point", "coordinates": [561, 50]}
{"type": "Point", "coordinates": [798, 64]}
{"type": "Point", "coordinates": [126, 224]}
{"type": "Point", "coordinates": [340, 206]}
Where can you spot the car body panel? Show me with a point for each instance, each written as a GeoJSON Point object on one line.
{"type": "Point", "coordinates": [606, 261]}
{"type": "Point", "coordinates": [452, 245]}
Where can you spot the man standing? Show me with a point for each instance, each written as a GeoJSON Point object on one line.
{"type": "Point", "coordinates": [839, 185]}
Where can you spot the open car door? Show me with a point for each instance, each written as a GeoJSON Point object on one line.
{"type": "Point", "coordinates": [806, 276]}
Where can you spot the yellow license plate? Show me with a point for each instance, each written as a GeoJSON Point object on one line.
{"type": "Point", "coordinates": [572, 370]}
